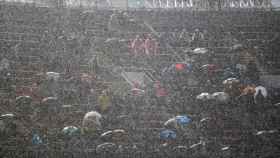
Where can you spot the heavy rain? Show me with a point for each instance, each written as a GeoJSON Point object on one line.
{"type": "Point", "coordinates": [139, 78]}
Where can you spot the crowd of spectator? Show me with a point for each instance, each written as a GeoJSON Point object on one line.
{"type": "Point", "coordinates": [66, 108]}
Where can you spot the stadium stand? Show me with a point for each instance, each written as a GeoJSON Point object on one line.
{"type": "Point", "coordinates": [70, 62]}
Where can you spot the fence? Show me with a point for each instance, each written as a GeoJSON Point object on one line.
{"type": "Point", "coordinates": [152, 4]}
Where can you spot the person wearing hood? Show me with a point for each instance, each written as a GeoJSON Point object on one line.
{"type": "Point", "coordinates": [161, 93]}
{"type": "Point", "coordinates": [137, 46]}
{"type": "Point", "coordinates": [104, 102]}
{"type": "Point", "coordinates": [252, 72]}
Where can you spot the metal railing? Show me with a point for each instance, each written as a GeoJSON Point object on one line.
{"type": "Point", "coordinates": [151, 4]}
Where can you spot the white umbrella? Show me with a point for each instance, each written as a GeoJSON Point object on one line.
{"type": "Point", "coordinates": [225, 148]}
{"type": "Point", "coordinates": [221, 96]}
{"type": "Point", "coordinates": [266, 132]}
{"type": "Point", "coordinates": [50, 101]}
{"type": "Point", "coordinates": [200, 51]}
{"type": "Point", "coordinates": [171, 123]}
{"type": "Point", "coordinates": [204, 96]}
{"type": "Point", "coordinates": [53, 76]}
{"type": "Point", "coordinates": [7, 116]}
{"type": "Point", "coordinates": [230, 81]}
{"type": "Point", "coordinates": [205, 119]}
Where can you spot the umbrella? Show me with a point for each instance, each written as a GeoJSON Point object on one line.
{"type": "Point", "coordinates": [137, 91]}
{"type": "Point", "coordinates": [23, 100]}
{"type": "Point", "coordinates": [7, 116]}
{"type": "Point", "coordinates": [236, 47]}
{"type": "Point", "coordinates": [205, 119]}
{"type": "Point", "coordinates": [231, 81]}
{"type": "Point", "coordinates": [7, 124]}
{"type": "Point", "coordinates": [221, 96]}
{"type": "Point", "coordinates": [53, 76]}
{"type": "Point", "coordinates": [91, 122]}
{"type": "Point", "coordinates": [201, 143]}
{"type": "Point", "coordinates": [93, 115]}
{"type": "Point", "coordinates": [3, 119]}
{"type": "Point", "coordinates": [50, 101]}
{"type": "Point", "coordinates": [168, 134]}
{"type": "Point", "coordinates": [70, 131]}
{"type": "Point", "coordinates": [111, 40]}
{"type": "Point", "coordinates": [183, 120]}
{"type": "Point", "coordinates": [200, 51]}
{"type": "Point", "coordinates": [107, 136]}
{"type": "Point", "coordinates": [171, 123]}
{"type": "Point", "coordinates": [225, 148]}
{"type": "Point", "coordinates": [204, 96]}
{"type": "Point", "coordinates": [114, 135]}
{"type": "Point", "coordinates": [106, 147]}
{"type": "Point", "coordinates": [266, 132]}
{"type": "Point", "coordinates": [36, 139]}
{"type": "Point", "coordinates": [229, 73]}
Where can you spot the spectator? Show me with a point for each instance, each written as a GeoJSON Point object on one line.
{"type": "Point", "coordinates": [161, 93]}
{"type": "Point", "coordinates": [197, 38]}
{"type": "Point", "coordinates": [4, 64]}
{"type": "Point", "coordinates": [184, 37]}
{"type": "Point", "coordinates": [253, 72]}
{"type": "Point", "coordinates": [197, 35]}
{"type": "Point", "coordinates": [150, 45]}
{"type": "Point", "coordinates": [137, 46]}
{"type": "Point", "coordinates": [104, 102]}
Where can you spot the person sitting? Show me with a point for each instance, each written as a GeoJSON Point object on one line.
{"type": "Point", "coordinates": [150, 45]}
{"type": "Point", "coordinates": [137, 46]}
{"type": "Point", "coordinates": [104, 102]}
{"type": "Point", "coordinates": [197, 37]}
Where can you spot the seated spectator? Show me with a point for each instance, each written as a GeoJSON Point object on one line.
{"type": "Point", "coordinates": [197, 38]}
{"type": "Point", "coordinates": [184, 37]}
{"type": "Point", "coordinates": [137, 46]}
{"type": "Point", "coordinates": [150, 45]}
{"type": "Point", "coordinates": [4, 64]}
{"type": "Point", "coordinates": [104, 102]}
{"type": "Point", "coordinates": [197, 35]}
{"type": "Point", "coordinates": [252, 72]}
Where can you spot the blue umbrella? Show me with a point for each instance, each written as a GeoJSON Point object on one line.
{"type": "Point", "coordinates": [168, 134]}
{"type": "Point", "coordinates": [36, 139]}
{"type": "Point", "coordinates": [183, 120]}
{"type": "Point", "coordinates": [229, 73]}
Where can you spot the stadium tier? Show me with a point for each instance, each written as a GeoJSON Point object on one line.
{"type": "Point", "coordinates": [138, 82]}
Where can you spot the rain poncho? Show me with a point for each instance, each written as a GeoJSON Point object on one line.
{"type": "Point", "coordinates": [104, 102]}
